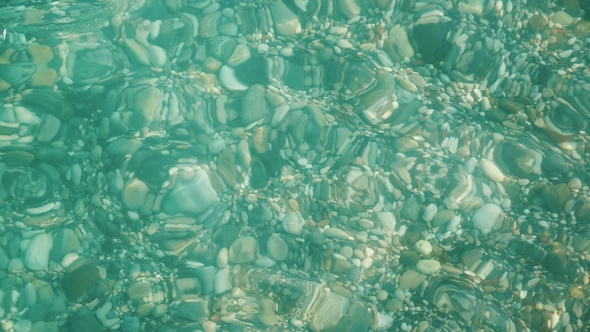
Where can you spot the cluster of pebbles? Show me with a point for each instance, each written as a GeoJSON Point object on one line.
{"type": "Point", "coordinates": [294, 165]}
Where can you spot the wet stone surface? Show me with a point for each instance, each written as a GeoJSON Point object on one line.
{"type": "Point", "coordinates": [274, 165]}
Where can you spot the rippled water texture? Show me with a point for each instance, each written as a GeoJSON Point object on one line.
{"type": "Point", "coordinates": [294, 165]}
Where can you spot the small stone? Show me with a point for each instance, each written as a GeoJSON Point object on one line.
{"type": "Point", "coordinates": [490, 170]}
{"type": "Point", "coordinates": [382, 295]}
{"type": "Point", "coordinates": [428, 266]}
{"type": "Point", "coordinates": [485, 218]}
{"type": "Point", "coordinates": [80, 276]}
{"type": "Point", "coordinates": [194, 311]}
{"type": "Point", "coordinates": [123, 146]}
{"type": "Point", "coordinates": [556, 196]}
{"type": "Point", "coordinates": [36, 256]}
{"type": "Point", "coordinates": [243, 250]}
{"type": "Point", "coordinates": [349, 8]}
{"type": "Point", "coordinates": [228, 79]}
{"type": "Point", "coordinates": [423, 247]}
{"type": "Point", "coordinates": [277, 248]}
{"type": "Point", "coordinates": [536, 23]}
{"type": "Point", "coordinates": [329, 312]}
{"type": "Point", "coordinates": [411, 209]}
{"type": "Point", "coordinates": [254, 105]}
{"type": "Point", "coordinates": [139, 290]}
{"type": "Point", "coordinates": [292, 224]}
{"type": "Point", "coordinates": [562, 18]}
{"type": "Point", "coordinates": [316, 237]}
{"type": "Point", "coordinates": [267, 316]}
{"type": "Point", "coordinates": [64, 242]}
{"type": "Point", "coordinates": [429, 212]}
{"type": "Point", "coordinates": [393, 305]}
{"type": "Point", "coordinates": [134, 194]}
{"type": "Point", "coordinates": [411, 279]}
{"type": "Point", "coordinates": [157, 56]}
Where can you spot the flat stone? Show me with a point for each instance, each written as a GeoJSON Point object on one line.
{"type": "Point", "coordinates": [485, 218]}
{"type": "Point", "coordinates": [254, 105]}
{"type": "Point", "coordinates": [292, 224]}
{"type": "Point", "coordinates": [17, 158]}
{"type": "Point", "coordinates": [123, 146]}
{"type": "Point", "coordinates": [79, 278]}
{"type": "Point", "coordinates": [157, 56]}
{"type": "Point", "coordinates": [423, 247]}
{"type": "Point", "coordinates": [349, 8]}
{"type": "Point", "coordinates": [267, 316]}
{"type": "Point", "coordinates": [316, 237]}
{"type": "Point", "coordinates": [138, 290]}
{"type": "Point", "coordinates": [428, 266]}
{"type": "Point", "coordinates": [36, 256]}
{"type": "Point", "coordinates": [277, 248]}
{"type": "Point", "coordinates": [429, 212]}
{"type": "Point", "coordinates": [134, 194]}
{"type": "Point", "coordinates": [243, 250]}
{"type": "Point", "coordinates": [556, 196]}
{"type": "Point", "coordinates": [329, 312]}
{"type": "Point", "coordinates": [411, 209]}
{"type": "Point", "coordinates": [194, 311]}
{"type": "Point", "coordinates": [192, 193]}
{"type": "Point", "coordinates": [49, 128]}
{"type": "Point", "coordinates": [562, 18]}
{"type": "Point", "coordinates": [411, 279]}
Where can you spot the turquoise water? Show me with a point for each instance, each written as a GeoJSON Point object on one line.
{"type": "Point", "coordinates": [295, 165]}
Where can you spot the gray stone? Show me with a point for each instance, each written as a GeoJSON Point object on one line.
{"type": "Point", "coordinates": [285, 21]}
{"type": "Point", "coordinates": [386, 220]}
{"type": "Point", "coordinates": [194, 310]}
{"type": "Point", "coordinates": [48, 129]}
{"type": "Point", "coordinates": [3, 259]}
{"type": "Point", "coordinates": [79, 278]}
{"type": "Point", "coordinates": [316, 237]}
{"type": "Point", "coordinates": [123, 146]}
{"type": "Point", "coordinates": [134, 194]}
{"type": "Point", "coordinates": [36, 256]}
{"type": "Point", "coordinates": [428, 266]}
{"type": "Point", "coordinates": [411, 279]}
{"type": "Point", "coordinates": [83, 320]}
{"type": "Point", "coordinates": [254, 105]}
{"type": "Point", "coordinates": [138, 290]}
{"type": "Point", "coordinates": [485, 218]}
{"type": "Point", "coordinates": [192, 193]}
{"type": "Point", "coordinates": [277, 248]}
{"type": "Point", "coordinates": [292, 224]}
{"type": "Point", "coordinates": [243, 250]}
{"type": "Point", "coordinates": [329, 312]}
{"type": "Point", "coordinates": [411, 209]}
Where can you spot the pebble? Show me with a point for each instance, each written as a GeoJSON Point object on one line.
{"type": "Point", "coordinates": [292, 224]}
{"type": "Point", "coordinates": [485, 218]}
{"type": "Point", "coordinates": [277, 248]}
{"type": "Point", "coordinates": [286, 23]}
{"type": "Point", "coordinates": [36, 255]}
{"type": "Point", "coordinates": [243, 250]}
{"type": "Point", "coordinates": [134, 194]}
{"type": "Point", "coordinates": [423, 247]}
{"type": "Point", "coordinates": [428, 266]}
{"type": "Point", "coordinates": [192, 193]}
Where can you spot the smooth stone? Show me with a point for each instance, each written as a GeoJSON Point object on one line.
{"type": "Point", "coordinates": [442, 217]}
{"type": "Point", "coordinates": [44, 77]}
{"type": "Point", "coordinates": [157, 56]}
{"type": "Point", "coordinates": [329, 312]}
{"type": "Point", "coordinates": [3, 259]}
{"type": "Point", "coordinates": [485, 218]}
{"type": "Point", "coordinates": [134, 194]}
{"type": "Point", "coordinates": [192, 193]}
{"type": "Point", "coordinates": [124, 146]}
{"type": "Point", "coordinates": [254, 105]}
{"type": "Point", "coordinates": [292, 224]}
{"type": "Point", "coordinates": [316, 237]}
{"type": "Point", "coordinates": [139, 290]}
{"type": "Point", "coordinates": [428, 266]}
{"type": "Point", "coordinates": [398, 45]}
{"type": "Point", "coordinates": [491, 170]}
{"type": "Point", "coordinates": [562, 18]}
{"type": "Point", "coordinates": [556, 196]}
{"type": "Point", "coordinates": [429, 212]}
{"type": "Point", "coordinates": [228, 29]}
{"type": "Point", "coordinates": [411, 279]}
{"type": "Point", "coordinates": [411, 209]}
{"type": "Point", "coordinates": [130, 324]}
{"type": "Point", "coordinates": [187, 288]}
{"type": "Point", "coordinates": [240, 55]}
{"type": "Point", "coordinates": [18, 158]}
{"type": "Point", "coordinates": [222, 258]}
{"type": "Point", "coordinates": [40, 53]}
{"type": "Point", "coordinates": [135, 51]}
{"type": "Point", "coordinates": [36, 256]}
{"type": "Point", "coordinates": [423, 247]}
{"type": "Point", "coordinates": [79, 278]}
{"type": "Point", "coordinates": [195, 311]}
{"type": "Point", "coordinates": [23, 325]}
{"type": "Point", "coordinates": [349, 8]}
{"type": "Point", "coordinates": [277, 248]}
{"type": "Point", "coordinates": [393, 305]}
{"type": "Point", "coordinates": [243, 250]}
{"type": "Point", "coordinates": [211, 65]}
{"type": "Point", "coordinates": [286, 23]}
{"type": "Point", "coordinates": [222, 281]}
{"type": "Point", "coordinates": [474, 7]}
{"type": "Point", "coordinates": [536, 23]}
{"type": "Point", "coordinates": [208, 25]}
{"type": "Point", "coordinates": [227, 168]}
{"type": "Point", "coordinates": [206, 277]}
{"type": "Point", "coordinates": [346, 251]}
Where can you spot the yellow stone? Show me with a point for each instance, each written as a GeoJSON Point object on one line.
{"type": "Point", "coordinates": [44, 77]}
{"type": "Point", "coordinates": [40, 53]}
